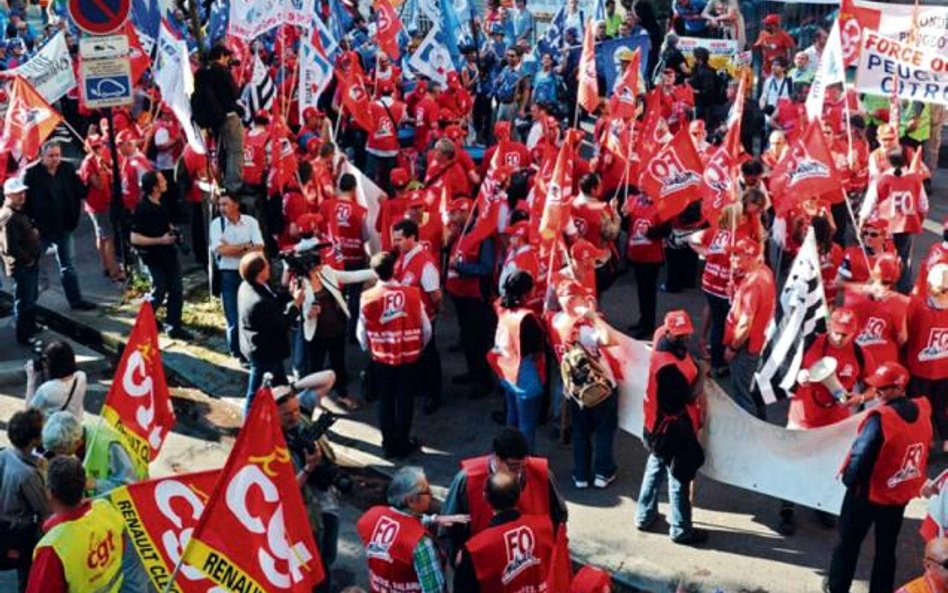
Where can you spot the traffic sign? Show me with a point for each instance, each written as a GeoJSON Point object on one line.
{"type": "Point", "coordinates": [103, 46]}
{"type": "Point", "coordinates": [99, 17]}
{"type": "Point", "coordinates": [107, 82]}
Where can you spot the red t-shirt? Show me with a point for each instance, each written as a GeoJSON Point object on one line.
{"type": "Point", "coordinates": [97, 200]}
{"type": "Point", "coordinates": [756, 296]}
{"type": "Point", "coordinates": [771, 45]}
{"type": "Point", "coordinates": [901, 202]}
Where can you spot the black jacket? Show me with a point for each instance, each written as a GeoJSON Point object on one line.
{"type": "Point", "coordinates": [264, 321]}
{"type": "Point", "coordinates": [54, 202]}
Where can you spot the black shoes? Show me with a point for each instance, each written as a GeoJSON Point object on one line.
{"type": "Point", "coordinates": [83, 305]}
{"type": "Point", "coordinates": [431, 406]}
{"type": "Point", "coordinates": [179, 333]}
{"type": "Point", "coordinates": [692, 538]}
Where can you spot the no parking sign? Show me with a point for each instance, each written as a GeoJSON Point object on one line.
{"type": "Point", "coordinates": [99, 17]}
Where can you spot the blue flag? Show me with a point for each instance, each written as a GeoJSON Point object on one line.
{"type": "Point", "coordinates": [450, 29]}
{"type": "Point", "coordinates": [217, 21]}
{"type": "Point", "coordinates": [146, 16]}
{"type": "Point", "coordinates": [340, 20]}
{"type": "Point", "coordinates": [552, 38]}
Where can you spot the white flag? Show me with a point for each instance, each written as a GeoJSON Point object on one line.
{"type": "Point", "coordinates": [250, 18]}
{"type": "Point", "coordinates": [315, 70]}
{"type": "Point", "coordinates": [831, 71]}
{"type": "Point", "coordinates": [175, 80]}
{"type": "Point", "coordinates": [432, 58]}
{"type": "Point", "coordinates": [50, 70]}
{"type": "Point", "coordinates": [368, 195]}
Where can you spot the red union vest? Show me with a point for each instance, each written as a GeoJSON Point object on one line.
{"type": "Point", "coordinates": [255, 156]}
{"type": "Point", "coordinates": [384, 135]}
{"type": "Point", "coordinates": [901, 202]}
{"type": "Point", "coordinates": [687, 367]}
{"type": "Point", "coordinates": [879, 323]}
{"type": "Point", "coordinates": [717, 265]}
{"type": "Point", "coordinates": [344, 220]}
{"type": "Point", "coordinates": [132, 169]}
{"type": "Point", "coordinates": [504, 358]}
{"type": "Point", "coordinates": [391, 210]}
{"type": "Point", "coordinates": [926, 352]}
{"type": "Point", "coordinates": [513, 557]}
{"type": "Point", "coordinates": [393, 323]}
{"type": "Point", "coordinates": [643, 216]}
{"type": "Point", "coordinates": [461, 285]}
{"type": "Point", "coordinates": [856, 262]}
{"type": "Point", "coordinates": [390, 539]}
{"type": "Point", "coordinates": [534, 494]}
{"type": "Point", "coordinates": [813, 405]}
{"type": "Point", "coordinates": [410, 274]}
{"type": "Point", "coordinates": [587, 217]}
{"type": "Point", "coordinates": [902, 464]}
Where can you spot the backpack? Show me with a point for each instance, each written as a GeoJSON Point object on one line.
{"type": "Point", "coordinates": [584, 377]}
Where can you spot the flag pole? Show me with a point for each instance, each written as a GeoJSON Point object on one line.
{"type": "Point", "coordinates": [177, 569]}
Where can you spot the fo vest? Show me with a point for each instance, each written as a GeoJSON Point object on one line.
{"type": "Point", "coordinates": [345, 220]}
{"type": "Point", "coordinates": [879, 323]}
{"type": "Point", "coordinates": [927, 347]}
{"type": "Point", "coordinates": [390, 539]}
{"type": "Point", "coordinates": [255, 156]}
{"type": "Point", "coordinates": [505, 356]}
{"type": "Point", "coordinates": [461, 285]}
{"type": "Point", "coordinates": [90, 549]}
{"type": "Point", "coordinates": [640, 248]}
{"type": "Point", "coordinates": [410, 274]}
{"type": "Point", "coordinates": [687, 367]}
{"type": "Point", "coordinates": [392, 317]}
{"type": "Point", "coordinates": [813, 405]}
{"type": "Point", "coordinates": [534, 496]}
{"type": "Point", "coordinates": [513, 557]}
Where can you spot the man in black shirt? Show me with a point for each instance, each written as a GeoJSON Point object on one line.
{"type": "Point", "coordinates": [53, 203]}
{"type": "Point", "coordinates": [218, 92]}
{"type": "Point", "coordinates": [154, 237]}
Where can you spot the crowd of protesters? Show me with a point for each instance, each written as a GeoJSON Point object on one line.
{"type": "Point", "coordinates": [277, 208]}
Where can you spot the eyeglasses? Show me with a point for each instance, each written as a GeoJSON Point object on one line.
{"type": "Point", "coordinates": [943, 564]}
{"type": "Point", "coordinates": [871, 234]}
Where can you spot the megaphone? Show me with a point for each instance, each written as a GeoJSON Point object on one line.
{"type": "Point", "coordinates": [823, 371]}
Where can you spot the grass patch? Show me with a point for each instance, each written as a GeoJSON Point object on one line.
{"type": "Point", "coordinates": [202, 313]}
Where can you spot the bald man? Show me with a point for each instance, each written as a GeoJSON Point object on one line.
{"type": "Point", "coordinates": [935, 578]}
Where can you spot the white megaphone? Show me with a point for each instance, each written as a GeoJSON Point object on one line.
{"type": "Point", "coordinates": [823, 371]}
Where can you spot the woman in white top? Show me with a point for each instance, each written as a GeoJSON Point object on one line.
{"type": "Point", "coordinates": [65, 386]}
{"type": "Point", "coordinates": [725, 17]}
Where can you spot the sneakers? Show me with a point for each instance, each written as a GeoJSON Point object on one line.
{"type": "Point", "coordinates": [647, 524]}
{"type": "Point", "coordinates": [692, 538]}
{"type": "Point", "coordinates": [580, 484]}
{"type": "Point", "coordinates": [603, 481]}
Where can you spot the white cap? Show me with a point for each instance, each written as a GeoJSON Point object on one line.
{"type": "Point", "coordinates": [938, 277]}
{"type": "Point", "coordinates": [14, 185]}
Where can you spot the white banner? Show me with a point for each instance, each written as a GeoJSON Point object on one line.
{"type": "Point", "coordinates": [724, 53]}
{"type": "Point", "coordinates": [250, 18]}
{"type": "Point", "coordinates": [174, 79]}
{"type": "Point", "coordinates": [831, 71]}
{"type": "Point", "coordinates": [50, 70]}
{"type": "Point", "coordinates": [432, 58]}
{"type": "Point", "coordinates": [887, 66]}
{"type": "Point", "coordinates": [369, 196]}
{"type": "Point", "coordinates": [740, 450]}
{"type": "Point", "coordinates": [932, 22]}
{"type": "Point", "coordinates": [299, 12]}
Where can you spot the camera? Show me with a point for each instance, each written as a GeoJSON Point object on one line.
{"type": "Point", "coordinates": [327, 473]}
{"type": "Point", "coordinates": [180, 243]}
{"type": "Point", "coordinates": [39, 360]}
{"type": "Point", "coordinates": [304, 257]}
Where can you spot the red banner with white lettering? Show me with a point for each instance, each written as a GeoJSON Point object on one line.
{"type": "Point", "coordinates": [673, 177]}
{"type": "Point", "coordinates": [159, 516]}
{"type": "Point", "coordinates": [388, 26]}
{"type": "Point", "coordinates": [28, 122]}
{"type": "Point", "coordinates": [255, 534]}
{"type": "Point", "coordinates": [138, 404]}
{"type": "Point", "coordinates": [805, 171]}
{"type": "Point", "coordinates": [355, 98]}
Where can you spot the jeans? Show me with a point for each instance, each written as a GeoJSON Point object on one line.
{"type": "Point", "coordinates": [477, 324]}
{"type": "Point", "coordinates": [299, 358]}
{"type": "Point", "coordinates": [719, 309]}
{"type": "Point", "coordinates": [232, 142]}
{"type": "Point", "coordinates": [230, 282]}
{"type": "Point", "coordinates": [430, 369]}
{"type": "Point", "coordinates": [166, 282]}
{"type": "Point", "coordinates": [679, 502]}
{"type": "Point", "coordinates": [855, 519]}
{"type": "Point", "coordinates": [523, 401]}
{"type": "Point", "coordinates": [65, 254]}
{"type": "Point", "coordinates": [594, 434]}
{"type": "Point", "coordinates": [25, 292]}
{"type": "Point", "coordinates": [743, 367]}
{"type": "Point", "coordinates": [258, 368]}
{"type": "Point", "coordinates": [904, 244]}
{"type": "Point", "coordinates": [378, 169]}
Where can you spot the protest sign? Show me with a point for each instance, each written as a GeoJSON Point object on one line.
{"type": "Point", "coordinates": [724, 52]}
{"type": "Point", "coordinates": [888, 66]}
{"type": "Point", "coordinates": [50, 70]}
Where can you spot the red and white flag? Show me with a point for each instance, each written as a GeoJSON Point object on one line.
{"type": "Point", "coordinates": [159, 517]}
{"type": "Point", "coordinates": [137, 56]}
{"type": "Point", "coordinates": [853, 21]}
{"type": "Point", "coordinates": [673, 177]}
{"type": "Point", "coordinates": [654, 128]}
{"type": "Point", "coordinates": [355, 97]}
{"type": "Point", "coordinates": [254, 534]}
{"type": "Point", "coordinates": [806, 170]}
{"type": "Point", "coordinates": [138, 405]}
{"type": "Point", "coordinates": [623, 101]}
{"type": "Point", "coordinates": [28, 122]}
{"type": "Point", "coordinates": [487, 207]}
{"type": "Point", "coordinates": [388, 25]}
{"type": "Point", "coordinates": [559, 191]}
{"type": "Point", "coordinates": [720, 172]}
{"type": "Point", "coordinates": [588, 85]}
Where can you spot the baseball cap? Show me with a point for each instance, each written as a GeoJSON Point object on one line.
{"type": "Point", "coordinates": [416, 199]}
{"type": "Point", "coordinates": [888, 268]}
{"type": "Point", "coordinates": [398, 177]}
{"type": "Point", "coordinates": [888, 374]}
{"type": "Point", "coordinates": [502, 130]}
{"type": "Point", "coordinates": [678, 323]}
{"type": "Point", "coordinates": [126, 135]}
{"type": "Point", "coordinates": [312, 145]}
{"type": "Point", "coordinates": [14, 185]}
{"type": "Point", "coordinates": [309, 112]}
{"type": "Point", "coordinates": [519, 229]}
{"type": "Point", "coordinates": [878, 223]}
{"type": "Point", "coordinates": [843, 321]}
{"type": "Point", "coordinates": [746, 247]}
{"type": "Point", "coordinates": [772, 19]}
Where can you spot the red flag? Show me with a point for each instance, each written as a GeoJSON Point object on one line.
{"type": "Point", "coordinates": [388, 26]}
{"type": "Point", "coordinates": [159, 516]}
{"type": "Point", "coordinates": [672, 178]}
{"type": "Point", "coordinates": [654, 127]}
{"type": "Point", "coordinates": [622, 104]}
{"type": "Point", "coordinates": [560, 189]}
{"type": "Point", "coordinates": [487, 206]}
{"type": "Point", "coordinates": [853, 21]}
{"type": "Point", "coordinates": [560, 577]}
{"type": "Point", "coordinates": [254, 534]}
{"type": "Point", "coordinates": [588, 85]}
{"type": "Point", "coordinates": [684, 93]}
{"type": "Point", "coordinates": [29, 121]}
{"type": "Point", "coordinates": [720, 177]}
{"type": "Point", "coordinates": [355, 98]}
{"type": "Point", "coordinates": [139, 59]}
{"type": "Point", "coordinates": [138, 404]}
{"type": "Point", "coordinates": [806, 170]}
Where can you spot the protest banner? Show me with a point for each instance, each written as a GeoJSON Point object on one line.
{"type": "Point", "coordinates": [724, 52]}
{"type": "Point", "coordinates": [608, 65]}
{"type": "Point", "coordinates": [888, 66]}
{"type": "Point", "coordinates": [50, 70]}
{"type": "Point", "coordinates": [932, 32]}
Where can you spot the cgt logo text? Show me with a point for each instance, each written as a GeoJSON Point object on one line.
{"type": "Point", "coordinates": [100, 552]}
{"type": "Point", "coordinates": [519, 543]}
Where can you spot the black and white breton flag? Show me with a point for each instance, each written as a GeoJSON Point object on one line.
{"type": "Point", "coordinates": [801, 314]}
{"type": "Point", "coordinates": [260, 92]}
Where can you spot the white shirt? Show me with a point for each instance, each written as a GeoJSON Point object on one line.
{"type": "Point", "coordinates": [364, 338]}
{"type": "Point", "coordinates": [164, 159]}
{"type": "Point", "coordinates": [245, 230]}
{"type": "Point", "coordinates": [773, 90]}
{"type": "Point", "coordinates": [815, 55]}
{"type": "Point", "coordinates": [52, 396]}
{"type": "Point", "coordinates": [430, 280]}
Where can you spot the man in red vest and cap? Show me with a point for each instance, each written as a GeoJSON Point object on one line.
{"type": "Point", "coordinates": [885, 469]}
{"type": "Point", "coordinates": [672, 421]}
{"type": "Point", "coordinates": [394, 328]}
{"type": "Point", "coordinates": [512, 555]}
{"type": "Point", "coordinates": [539, 494]}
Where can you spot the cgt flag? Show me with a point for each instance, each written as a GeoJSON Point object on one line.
{"type": "Point", "coordinates": [388, 27]}
{"type": "Point", "coordinates": [588, 82]}
{"type": "Point", "coordinates": [623, 101]}
{"type": "Point", "coordinates": [559, 191]}
{"type": "Point", "coordinates": [138, 405]}
{"type": "Point", "coordinates": [805, 170]}
{"type": "Point", "coordinates": [28, 122]}
{"type": "Point", "coordinates": [254, 535]}
{"type": "Point", "coordinates": [159, 517]}
{"type": "Point", "coordinates": [673, 177]}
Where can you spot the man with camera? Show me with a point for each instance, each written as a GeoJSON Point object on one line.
{"type": "Point", "coordinates": [155, 238]}
{"type": "Point", "coordinates": [215, 106]}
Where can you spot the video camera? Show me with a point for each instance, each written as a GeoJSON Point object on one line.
{"type": "Point", "coordinates": [304, 257]}
{"type": "Point", "coordinates": [327, 473]}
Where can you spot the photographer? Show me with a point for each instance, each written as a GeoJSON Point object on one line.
{"type": "Point", "coordinates": [155, 238]}
{"type": "Point", "coordinates": [215, 107]}
{"type": "Point", "coordinates": [318, 476]}
{"type": "Point", "coordinates": [64, 386]}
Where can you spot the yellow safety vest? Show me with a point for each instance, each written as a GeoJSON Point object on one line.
{"type": "Point", "coordinates": [90, 549]}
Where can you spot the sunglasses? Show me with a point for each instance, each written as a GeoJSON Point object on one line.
{"type": "Point", "coordinates": [871, 234]}
{"type": "Point", "coordinates": [943, 564]}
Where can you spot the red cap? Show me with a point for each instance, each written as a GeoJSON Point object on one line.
{"type": "Point", "coordinates": [94, 140]}
{"type": "Point", "coordinates": [844, 321]}
{"type": "Point", "coordinates": [385, 86]}
{"type": "Point", "coordinates": [880, 224]}
{"type": "Point", "coordinates": [583, 249]}
{"type": "Point", "coordinates": [312, 145]}
{"type": "Point", "coordinates": [772, 19]}
{"type": "Point", "coordinates": [416, 199]}
{"type": "Point", "coordinates": [309, 112]}
{"type": "Point", "coordinates": [520, 228]}
{"type": "Point", "coordinates": [888, 374]}
{"type": "Point", "coordinates": [309, 222]}
{"type": "Point", "coordinates": [678, 323]}
{"type": "Point", "coordinates": [746, 247]}
{"type": "Point", "coordinates": [502, 130]}
{"type": "Point", "coordinates": [126, 135]}
{"type": "Point", "coordinates": [888, 268]}
{"type": "Point", "coordinates": [453, 78]}
{"type": "Point", "coordinates": [398, 177]}
{"type": "Point", "coordinates": [460, 205]}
